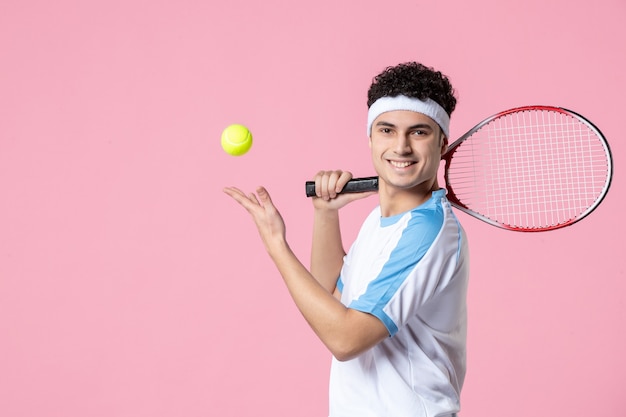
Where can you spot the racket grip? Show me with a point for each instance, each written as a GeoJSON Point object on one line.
{"type": "Point", "coordinates": [355, 185]}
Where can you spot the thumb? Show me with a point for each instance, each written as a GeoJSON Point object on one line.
{"type": "Point", "coordinates": [358, 196]}
{"type": "Point", "coordinates": [264, 197]}
{"type": "Point", "coordinates": [350, 197]}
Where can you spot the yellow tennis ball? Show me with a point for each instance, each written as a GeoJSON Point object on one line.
{"type": "Point", "coordinates": [236, 140]}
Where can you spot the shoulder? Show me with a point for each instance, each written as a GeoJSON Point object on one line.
{"type": "Point", "coordinates": [427, 218]}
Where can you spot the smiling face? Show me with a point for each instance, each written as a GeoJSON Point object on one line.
{"type": "Point", "coordinates": [406, 151]}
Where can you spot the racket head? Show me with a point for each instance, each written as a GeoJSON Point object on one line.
{"type": "Point", "coordinates": [529, 169]}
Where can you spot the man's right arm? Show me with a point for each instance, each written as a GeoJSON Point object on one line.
{"type": "Point", "coordinates": [327, 251]}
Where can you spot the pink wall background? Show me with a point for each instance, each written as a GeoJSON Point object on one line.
{"type": "Point", "coordinates": [131, 286]}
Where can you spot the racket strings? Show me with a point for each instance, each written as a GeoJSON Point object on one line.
{"type": "Point", "coordinates": [531, 169]}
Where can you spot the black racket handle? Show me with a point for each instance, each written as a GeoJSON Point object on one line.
{"type": "Point", "coordinates": [355, 185]}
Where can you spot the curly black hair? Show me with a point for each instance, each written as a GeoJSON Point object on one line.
{"type": "Point", "coordinates": [414, 80]}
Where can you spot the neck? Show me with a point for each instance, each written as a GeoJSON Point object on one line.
{"type": "Point", "coordinates": [395, 200]}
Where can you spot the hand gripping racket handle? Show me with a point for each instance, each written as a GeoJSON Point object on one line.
{"type": "Point", "coordinates": [355, 185]}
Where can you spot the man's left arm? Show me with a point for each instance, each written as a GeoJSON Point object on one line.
{"type": "Point", "coordinates": [346, 332]}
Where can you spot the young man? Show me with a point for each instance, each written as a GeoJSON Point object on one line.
{"type": "Point", "coordinates": [392, 311]}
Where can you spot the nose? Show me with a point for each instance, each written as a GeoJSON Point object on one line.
{"type": "Point", "coordinates": [402, 145]}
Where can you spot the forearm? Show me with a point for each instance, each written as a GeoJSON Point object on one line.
{"type": "Point", "coordinates": [345, 332]}
{"type": "Point", "coordinates": [327, 250]}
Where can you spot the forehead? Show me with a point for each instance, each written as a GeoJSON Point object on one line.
{"type": "Point", "coordinates": [404, 118]}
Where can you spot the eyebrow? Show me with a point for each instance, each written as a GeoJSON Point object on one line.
{"type": "Point", "coordinates": [417, 126]}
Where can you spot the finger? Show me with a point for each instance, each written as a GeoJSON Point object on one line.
{"type": "Point", "coordinates": [265, 198]}
{"type": "Point", "coordinates": [246, 201]}
{"type": "Point", "coordinates": [330, 183]}
{"type": "Point", "coordinates": [323, 186]}
{"type": "Point", "coordinates": [318, 183]}
{"type": "Point", "coordinates": [321, 181]}
{"type": "Point", "coordinates": [234, 192]}
{"type": "Point", "coordinates": [360, 195]}
{"type": "Point", "coordinates": [333, 177]}
{"type": "Point", "coordinates": [343, 179]}
{"type": "Point", "coordinates": [252, 197]}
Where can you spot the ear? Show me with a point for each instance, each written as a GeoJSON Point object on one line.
{"type": "Point", "coordinates": [369, 142]}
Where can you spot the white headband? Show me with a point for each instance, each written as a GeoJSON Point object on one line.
{"type": "Point", "coordinates": [427, 107]}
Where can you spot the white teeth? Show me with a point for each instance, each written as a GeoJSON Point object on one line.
{"type": "Point", "coordinates": [400, 164]}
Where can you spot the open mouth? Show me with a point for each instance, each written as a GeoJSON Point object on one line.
{"type": "Point", "coordinates": [401, 164]}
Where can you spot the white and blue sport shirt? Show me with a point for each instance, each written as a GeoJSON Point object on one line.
{"type": "Point", "coordinates": [410, 271]}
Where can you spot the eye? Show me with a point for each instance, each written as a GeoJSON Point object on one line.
{"type": "Point", "coordinates": [421, 132]}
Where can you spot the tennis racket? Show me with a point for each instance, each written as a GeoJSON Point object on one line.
{"type": "Point", "coordinates": [528, 169]}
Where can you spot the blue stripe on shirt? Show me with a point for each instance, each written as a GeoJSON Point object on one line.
{"type": "Point", "coordinates": [417, 237]}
